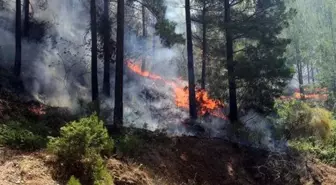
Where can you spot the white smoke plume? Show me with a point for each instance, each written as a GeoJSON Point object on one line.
{"type": "Point", "coordinates": [57, 70]}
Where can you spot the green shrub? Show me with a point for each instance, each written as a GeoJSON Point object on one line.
{"type": "Point", "coordinates": [80, 149]}
{"type": "Point", "coordinates": [73, 181]}
{"type": "Point", "coordinates": [22, 136]}
{"type": "Point", "coordinates": [325, 150]}
{"type": "Point", "coordinates": [322, 122]}
{"type": "Point", "coordinates": [77, 139]}
{"type": "Point", "coordinates": [101, 175]}
{"type": "Point", "coordinates": [299, 120]}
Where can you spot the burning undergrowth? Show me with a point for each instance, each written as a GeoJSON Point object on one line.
{"type": "Point", "coordinates": [161, 103]}
{"type": "Point", "coordinates": [180, 92]}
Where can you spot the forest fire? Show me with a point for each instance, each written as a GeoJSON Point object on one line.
{"type": "Point", "coordinates": [206, 105]}
{"type": "Point", "coordinates": [322, 97]}
{"type": "Point", "coordinates": [319, 94]}
{"type": "Point", "coordinates": [37, 109]}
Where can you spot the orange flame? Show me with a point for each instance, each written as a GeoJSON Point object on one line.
{"type": "Point", "coordinates": [206, 104]}
{"type": "Point", "coordinates": [37, 110]}
{"type": "Point", "coordinates": [311, 96]}
{"type": "Point", "coordinates": [319, 94]}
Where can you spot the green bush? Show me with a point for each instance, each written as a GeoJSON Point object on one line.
{"type": "Point", "coordinates": [298, 120]}
{"type": "Point", "coordinates": [24, 136]}
{"type": "Point", "coordinates": [325, 150]}
{"type": "Point", "coordinates": [101, 175]}
{"type": "Point", "coordinates": [322, 122]}
{"type": "Point", "coordinates": [80, 149]}
{"type": "Point", "coordinates": [73, 181]}
{"type": "Point", "coordinates": [77, 139]}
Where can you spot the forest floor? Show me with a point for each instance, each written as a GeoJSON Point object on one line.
{"type": "Point", "coordinates": [188, 161]}
{"type": "Point", "coordinates": [157, 159]}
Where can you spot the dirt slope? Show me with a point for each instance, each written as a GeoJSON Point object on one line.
{"type": "Point", "coordinates": [177, 161]}
{"type": "Point", "coordinates": [190, 160]}
{"type": "Point", "coordinates": [24, 168]}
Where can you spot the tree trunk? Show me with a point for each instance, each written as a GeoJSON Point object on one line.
{"type": "Point", "coordinates": [26, 18]}
{"type": "Point", "coordinates": [300, 76]}
{"type": "Point", "coordinates": [230, 65]}
{"type": "Point", "coordinates": [204, 46]}
{"type": "Point", "coordinates": [144, 34]}
{"type": "Point", "coordinates": [308, 72]}
{"type": "Point", "coordinates": [312, 74]}
{"type": "Point", "coordinates": [107, 56]}
{"type": "Point", "coordinates": [299, 68]}
{"type": "Point", "coordinates": [191, 75]}
{"type": "Point", "coordinates": [153, 54]}
{"type": "Point", "coordinates": [118, 106]}
{"type": "Point", "coordinates": [94, 77]}
{"type": "Point", "coordinates": [17, 65]}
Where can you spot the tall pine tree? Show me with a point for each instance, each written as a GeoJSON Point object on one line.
{"type": "Point", "coordinates": [106, 48]}
{"type": "Point", "coordinates": [230, 64]}
{"type": "Point", "coordinates": [17, 65]}
{"type": "Point", "coordinates": [118, 102]}
{"type": "Point", "coordinates": [191, 74]}
{"type": "Point", "coordinates": [94, 75]}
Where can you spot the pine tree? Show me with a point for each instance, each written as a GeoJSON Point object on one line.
{"type": "Point", "coordinates": [106, 40]}
{"type": "Point", "coordinates": [144, 33]}
{"type": "Point", "coordinates": [259, 64]}
{"type": "Point", "coordinates": [118, 107]}
{"type": "Point", "coordinates": [230, 65]}
{"type": "Point", "coordinates": [26, 18]}
{"type": "Point", "coordinates": [191, 75]}
{"type": "Point", "coordinates": [17, 65]}
{"type": "Point", "coordinates": [94, 77]}
{"type": "Point", "coordinates": [204, 43]}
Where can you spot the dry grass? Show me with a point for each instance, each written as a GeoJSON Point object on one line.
{"type": "Point", "coordinates": [183, 161]}
{"type": "Point", "coordinates": [24, 168]}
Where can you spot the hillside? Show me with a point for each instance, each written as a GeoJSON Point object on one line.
{"type": "Point", "coordinates": [153, 158]}
{"type": "Point", "coordinates": [178, 161]}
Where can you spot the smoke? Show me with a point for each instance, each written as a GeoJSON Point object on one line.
{"type": "Point", "coordinates": [56, 71]}
{"type": "Point", "coordinates": [46, 65]}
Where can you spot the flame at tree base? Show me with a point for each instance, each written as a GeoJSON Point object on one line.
{"type": "Point", "coordinates": [206, 105]}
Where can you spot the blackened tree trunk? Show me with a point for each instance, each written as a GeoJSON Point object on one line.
{"type": "Point", "coordinates": [144, 35]}
{"type": "Point", "coordinates": [107, 56]}
{"type": "Point", "coordinates": [26, 18]}
{"type": "Point", "coordinates": [230, 65]}
{"type": "Point", "coordinates": [204, 46]}
{"type": "Point", "coordinates": [118, 106]}
{"type": "Point", "coordinates": [94, 77]}
{"type": "Point", "coordinates": [17, 65]}
{"type": "Point", "coordinates": [191, 75]}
